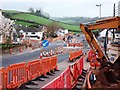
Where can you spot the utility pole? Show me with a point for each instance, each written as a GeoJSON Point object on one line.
{"type": "Point", "coordinates": [114, 10]}
{"type": "Point", "coordinates": [99, 5]}
{"type": "Point", "coordinates": [113, 16]}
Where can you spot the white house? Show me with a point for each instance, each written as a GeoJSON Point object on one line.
{"type": "Point", "coordinates": [62, 32]}
{"type": "Point", "coordinates": [30, 33]}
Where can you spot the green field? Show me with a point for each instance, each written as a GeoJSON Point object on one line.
{"type": "Point", "coordinates": [11, 11]}
{"type": "Point", "coordinates": [43, 21]}
{"type": "Point", "coordinates": [24, 23]}
{"type": "Point", "coordinates": [36, 19]}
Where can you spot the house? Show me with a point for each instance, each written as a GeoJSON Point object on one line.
{"type": "Point", "coordinates": [62, 32]}
{"type": "Point", "coordinates": [30, 33]}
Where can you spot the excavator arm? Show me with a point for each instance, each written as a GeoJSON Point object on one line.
{"type": "Point", "coordinates": [111, 23]}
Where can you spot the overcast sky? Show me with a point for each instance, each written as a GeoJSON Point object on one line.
{"type": "Point", "coordinates": [62, 8]}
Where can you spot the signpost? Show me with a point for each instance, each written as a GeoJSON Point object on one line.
{"type": "Point", "coordinates": [45, 43]}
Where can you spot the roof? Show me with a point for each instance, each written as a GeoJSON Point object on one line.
{"type": "Point", "coordinates": [30, 29]}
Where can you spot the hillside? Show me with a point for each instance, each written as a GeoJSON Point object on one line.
{"type": "Point", "coordinates": [29, 19]}
{"type": "Point", "coordinates": [76, 20]}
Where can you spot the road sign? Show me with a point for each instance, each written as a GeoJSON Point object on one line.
{"type": "Point", "coordinates": [45, 43]}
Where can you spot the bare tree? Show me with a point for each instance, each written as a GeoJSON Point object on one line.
{"type": "Point", "coordinates": [52, 28]}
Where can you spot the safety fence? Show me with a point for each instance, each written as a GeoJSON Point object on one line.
{"type": "Point", "coordinates": [67, 78]}
{"type": "Point", "coordinates": [2, 78]}
{"type": "Point", "coordinates": [75, 54]}
{"type": "Point", "coordinates": [75, 44]}
{"type": "Point", "coordinates": [17, 74]}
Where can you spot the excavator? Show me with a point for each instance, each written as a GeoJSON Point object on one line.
{"type": "Point", "coordinates": [109, 71]}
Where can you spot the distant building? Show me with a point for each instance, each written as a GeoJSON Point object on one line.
{"type": "Point", "coordinates": [31, 33]}
{"type": "Point", "coordinates": [62, 32]}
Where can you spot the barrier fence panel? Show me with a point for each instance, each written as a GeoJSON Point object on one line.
{"type": "Point", "coordinates": [72, 76]}
{"type": "Point", "coordinates": [2, 72]}
{"type": "Point", "coordinates": [77, 69]}
{"type": "Point", "coordinates": [53, 84]}
{"type": "Point", "coordinates": [75, 44]}
{"type": "Point", "coordinates": [81, 65]}
{"type": "Point", "coordinates": [49, 86]}
{"type": "Point", "coordinates": [34, 69]}
{"type": "Point", "coordinates": [66, 79]}
{"type": "Point", "coordinates": [53, 63]}
{"type": "Point", "coordinates": [16, 75]}
{"type": "Point", "coordinates": [75, 54]}
{"type": "Point", "coordinates": [46, 65]}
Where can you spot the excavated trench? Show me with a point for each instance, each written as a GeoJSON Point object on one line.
{"type": "Point", "coordinates": [108, 77]}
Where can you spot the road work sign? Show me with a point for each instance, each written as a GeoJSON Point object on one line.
{"type": "Point", "coordinates": [45, 43]}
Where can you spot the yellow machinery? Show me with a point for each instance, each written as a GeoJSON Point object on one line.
{"type": "Point", "coordinates": [110, 57]}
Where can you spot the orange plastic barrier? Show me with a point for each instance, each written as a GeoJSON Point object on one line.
{"type": "Point", "coordinates": [81, 65]}
{"type": "Point", "coordinates": [68, 78]}
{"type": "Point", "coordinates": [53, 64]}
{"type": "Point", "coordinates": [73, 74]}
{"type": "Point", "coordinates": [2, 72]}
{"type": "Point", "coordinates": [62, 81]}
{"type": "Point", "coordinates": [53, 84]}
{"type": "Point", "coordinates": [75, 44]}
{"type": "Point", "coordinates": [16, 75]}
{"type": "Point", "coordinates": [75, 54]}
{"type": "Point", "coordinates": [34, 69]}
{"type": "Point", "coordinates": [46, 65]}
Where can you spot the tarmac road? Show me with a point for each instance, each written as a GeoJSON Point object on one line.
{"type": "Point", "coordinates": [25, 57]}
{"type": "Point", "coordinates": [32, 55]}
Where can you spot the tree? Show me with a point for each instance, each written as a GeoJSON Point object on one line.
{"type": "Point", "coordinates": [6, 29]}
{"type": "Point", "coordinates": [52, 28]}
{"type": "Point", "coordinates": [31, 10]}
{"type": "Point", "coordinates": [39, 12]}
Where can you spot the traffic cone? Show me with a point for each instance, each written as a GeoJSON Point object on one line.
{"type": "Point", "coordinates": [20, 49]}
{"type": "Point", "coordinates": [40, 55]}
{"type": "Point", "coordinates": [47, 54]}
{"type": "Point", "coordinates": [44, 54]}
{"type": "Point", "coordinates": [10, 50]}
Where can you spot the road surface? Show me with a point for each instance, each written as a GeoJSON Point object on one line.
{"type": "Point", "coordinates": [25, 57]}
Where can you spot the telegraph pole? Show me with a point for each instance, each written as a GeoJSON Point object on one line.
{"type": "Point", "coordinates": [113, 16]}
{"type": "Point", "coordinates": [99, 5]}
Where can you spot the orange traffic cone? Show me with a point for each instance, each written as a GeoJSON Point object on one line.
{"type": "Point", "coordinates": [20, 49]}
{"type": "Point", "coordinates": [40, 55]}
{"type": "Point", "coordinates": [10, 50]}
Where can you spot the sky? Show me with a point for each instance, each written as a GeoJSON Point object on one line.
{"type": "Point", "coordinates": [63, 8]}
